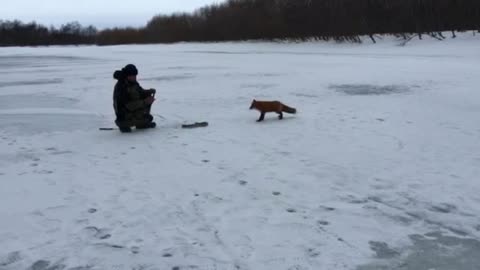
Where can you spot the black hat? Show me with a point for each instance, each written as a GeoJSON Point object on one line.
{"type": "Point", "coordinates": [129, 70]}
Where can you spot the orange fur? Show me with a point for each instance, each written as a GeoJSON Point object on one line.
{"type": "Point", "coordinates": [271, 106]}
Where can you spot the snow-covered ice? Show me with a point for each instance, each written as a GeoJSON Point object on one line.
{"type": "Point", "coordinates": [377, 170]}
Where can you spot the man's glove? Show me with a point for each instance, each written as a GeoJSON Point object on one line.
{"type": "Point", "coordinates": [149, 100]}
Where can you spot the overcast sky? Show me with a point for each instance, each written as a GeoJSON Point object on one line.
{"type": "Point", "coordinates": [101, 13]}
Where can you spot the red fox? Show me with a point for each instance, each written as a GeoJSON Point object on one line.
{"type": "Point", "coordinates": [271, 106]}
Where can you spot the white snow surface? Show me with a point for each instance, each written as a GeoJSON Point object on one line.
{"type": "Point", "coordinates": [384, 147]}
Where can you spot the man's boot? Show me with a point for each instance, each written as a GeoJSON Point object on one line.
{"type": "Point", "coordinates": [125, 129]}
{"type": "Point", "coordinates": [146, 125]}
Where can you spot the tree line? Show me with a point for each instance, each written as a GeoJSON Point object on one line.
{"type": "Point", "coordinates": [17, 33]}
{"type": "Point", "coordinates": [235, 20]}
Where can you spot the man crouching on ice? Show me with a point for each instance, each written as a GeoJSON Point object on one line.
{"type": "Point", "coordinates": [131, 102]}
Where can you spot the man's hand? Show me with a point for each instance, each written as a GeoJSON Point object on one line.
{"type": "Point", "coordinates": [153, 91]}
{"type": "Point", "coordinates": [149, 100]}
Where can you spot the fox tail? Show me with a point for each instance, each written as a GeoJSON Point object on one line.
{"type": "Point", "coordinates": [289, 109]}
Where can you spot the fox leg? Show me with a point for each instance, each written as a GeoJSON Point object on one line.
{"type": "Point", "coordinates": [262, 116]}
{"type": "Point", "coordinates": [280, 115]}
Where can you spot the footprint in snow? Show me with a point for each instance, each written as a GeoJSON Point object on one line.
{"type": "Point", "coordinates": [114, 246]}
{"type": "Point", "coordinates": [354, 200]}
{"type": "Point", "coordinates": [44, 172]}
{"type": "Point", "coordinates": [81, 268]}
{"type": "Point", "coordinates": [39, 265]}
{"type": "Point", "coordinates": [358, 201]}
{"type": "Point", "coordinates": [312, 253]}
{"type": "Point", "coordinates": [323, 222]}
{"type": "Point", "coordinates": [327, 208]}
{"type": "Point", "coordinates": [101, 234]}
{"type": "Point", "coordinates": [135, 250]}
{"type": "Point", "coordinates": [61, 152]}
{"type": "Point", "coordinates": [444, 208]}
{"type": "Point", "coordinates": [10, 258]}
{"type": "Point", "coordinates": [45, 265]}
{"type": "Point", "coordinates": [382, 250]}
{"type": "Point", "coordinates": [297, 267]}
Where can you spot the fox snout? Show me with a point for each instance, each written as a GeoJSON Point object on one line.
{"type": "Point", "coordinates": [252, 105]}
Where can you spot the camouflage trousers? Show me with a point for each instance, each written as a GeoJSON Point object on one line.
{"type": "Point", "coordinates": [138, 119]}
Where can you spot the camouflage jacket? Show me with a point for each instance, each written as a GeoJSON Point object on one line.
{"type": "Point", "coordinates": [129, 100]}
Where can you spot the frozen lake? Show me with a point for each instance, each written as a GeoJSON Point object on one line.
{"type": "Point", "coordinates": [377, 170]}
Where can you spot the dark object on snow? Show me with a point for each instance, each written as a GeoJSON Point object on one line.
{"type": "Point", "coordinates": [195, 125]}
{"type": "Point", "coordinates": [131, 102]}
